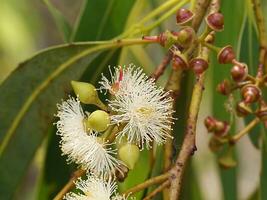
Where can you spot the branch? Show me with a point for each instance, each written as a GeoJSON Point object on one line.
{"type": "Point", "coordinates": [162, 66]}
{"type": "Point", "coordinates": [188, 147]}
{"type": "Point", "coordinates": [262, 34]}
{"type": "Point", "coordinates": [147, 183]}
{"type": "Point", "coordinates": [70, 184]}
{"type": "Point", "coordinates": [244, 131]}
{"type": "Point", "coordinates": [157, 190]}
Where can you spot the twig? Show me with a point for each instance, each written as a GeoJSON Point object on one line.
{"type": "Point", "coordinates": [147, 183]}
{"type": "Point", "coordinates": [244, 131]}
{"type": "Point", "coordinates": [70, 184]}
{"type": "Point", "coordinates": [188, 147]}
{"type": "Point", "coordinates": [162, 66]}
{"type": "Point", "coordinates": [157, 190]}
{"type": "Point", "coordinates": [262, 34]}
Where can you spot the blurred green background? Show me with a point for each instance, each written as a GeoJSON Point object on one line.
{"type": "Point", "coordinates": [28, 26]}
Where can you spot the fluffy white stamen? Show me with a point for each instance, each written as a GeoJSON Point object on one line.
{"type": "Point", "coordinates": [83, 148]}
{"type": "Point", "coordinates": [95, 189]}
{"type": "Point", "coordinates": [144, 109]}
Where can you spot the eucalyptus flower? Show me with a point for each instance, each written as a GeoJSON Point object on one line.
{"type": "Point", "coordinates": [94, 188]}
{"type": "Point", "coordinates": [80, 145]}
{"type": "Point", "coordinates": [143, 109]}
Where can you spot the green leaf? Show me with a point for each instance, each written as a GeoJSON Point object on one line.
{"type": "Point", "coordinates": [27, 104]}
{"type": "Point", "coordinates": [60, 20]}
{"type": "Point", "coordinates": [102, 19]}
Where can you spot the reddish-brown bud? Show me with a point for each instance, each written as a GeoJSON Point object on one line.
{"type": "Point", "coordinates": [239, 73]}
{"type": "Point", "coordinates": [226, 55]}
{"type": "Point", "coordinates": [262, 113]}
{"type": "Point", "coordinates": [215, 21]}
{"type": "Point", "coordinates": [224, 87]}
{"type": "Point", "coordinates": [179, 61]}
{"type": "Point", "coordinates": [186, 36]}
{"type": "Point", "coordinates": [199, 65]}
{"type": "Point", "coordinates": [122, 174]}
{"type": "Point", "coordinates": [219, 128]}
{"type": "Point", "coordinates": [250, 93]}
{"type": "Point", "coordinates": [242, 109]}
{"type": "Point", "coordinates": [184, 16]}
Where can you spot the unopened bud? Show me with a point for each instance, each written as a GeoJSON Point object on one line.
{"type": "Point", "coordinates": [122, 173]}
{"type": "Point", "coordinates": [179, 61]}
{"type": "Point", "coordinates": [219, 128]}
{"type": "Point", "coordinates": [239, 73]}
{"type": "Point", "coordinates": [250, 93]}
{"type": "Point", "coordinates": [224, 87]}
{"type": "Point", "coordinates": [186, 36]}
{"type": "Point", "coordinates": [226, 55]}
{"type": "Point", "coordinates": [87, 93]}
{"type": "Point", "coordinates": [242, 109]}
{"type": "Point", "coordinates": [227, 160]}
{"type": "Point", "coordinates": [98, 121]}
{"type": "Point", "coordinates": [215, 144]}
{"type": "Point", "coordinates": [129, 154]}
{"type": "Point", "coordinates": [215, 21]}
{"type": "Point", "coordinates": [184, 16]}
{"type": "Point", "coordinates": [199, 65]}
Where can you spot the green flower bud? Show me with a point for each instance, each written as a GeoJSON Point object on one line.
{"type": "Point", "coordinates": [99, 121]}
{"type": "Point", "coordinates": [129, 154]}
{"type": "Point", "coordinates": [87, 93]}
{"type": "Point", "coordinates": [227, 160]}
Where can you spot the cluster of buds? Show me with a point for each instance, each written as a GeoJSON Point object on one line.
{"type": "Point", "coordinates": [184, 42]}
{"type": "Point", "coordinates": [217, 127]}
{"type": "Point", "coordinates": [248, 86]}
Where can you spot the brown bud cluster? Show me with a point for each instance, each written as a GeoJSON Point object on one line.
{"type": "Point", "coordinates": [219, 128]}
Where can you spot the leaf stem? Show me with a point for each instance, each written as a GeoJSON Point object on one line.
{"type": "Point", "coordinates": [147, 183]}
{"type": "Point", "coordinates": [157, 190]}
{"type": "Point", "coordinates": [244, 131]}
{"type": "Point", "coordinates": [262, 34]}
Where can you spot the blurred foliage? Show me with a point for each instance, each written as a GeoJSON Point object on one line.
{"type": "Point", "coordinates": [29, 94]}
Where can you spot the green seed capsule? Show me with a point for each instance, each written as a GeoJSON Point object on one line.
{"type": "Point", "coordinates": [98, 121]}
{"type": "Point", "coordinates": [129, 154]}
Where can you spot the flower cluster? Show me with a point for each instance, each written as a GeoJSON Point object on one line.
{"type": "Point", "coordinates": [82, 147]}
{"type": "Point", "coordinates": [138, 111]}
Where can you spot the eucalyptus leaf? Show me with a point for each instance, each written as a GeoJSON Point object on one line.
{"type": "Point", "coordinates": [27, 104]}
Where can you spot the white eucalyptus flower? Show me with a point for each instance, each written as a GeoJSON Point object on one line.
{"type": "Point", "coordinates": [95, 189]}
{"type": "Point", "coordinates": [81, 147]}
{"type": "Point", "coordinates": [144, 109]}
